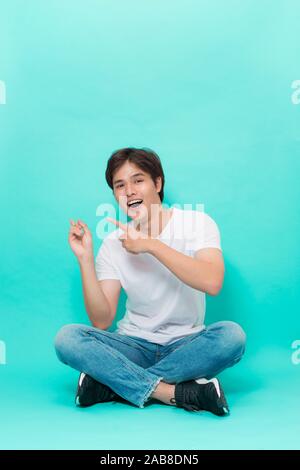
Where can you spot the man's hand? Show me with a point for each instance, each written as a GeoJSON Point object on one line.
{"type": "Point", "coordinates": [80, 240]}
{"type": "Point", "coordinates": [132, 240]}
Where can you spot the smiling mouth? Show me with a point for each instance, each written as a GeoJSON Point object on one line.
{"type": "Point", "coordinates": [135, 203]}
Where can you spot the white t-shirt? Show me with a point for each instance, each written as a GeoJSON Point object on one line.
{"type": "Point", "coordinates": [160, 307]}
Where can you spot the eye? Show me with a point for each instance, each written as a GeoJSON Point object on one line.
{"type": "Point", "coordinates": [119, 185]}
{"type": "Point", "coordinates": [139, 181]}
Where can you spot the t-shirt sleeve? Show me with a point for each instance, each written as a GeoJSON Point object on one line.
{"type": "Point", "coordinates": [208, 234]}
{"type": "Point", "coordinates": [104, 265]}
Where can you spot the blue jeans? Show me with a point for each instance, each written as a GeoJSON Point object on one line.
{"type": "Point", "coordinates": [132, 367]}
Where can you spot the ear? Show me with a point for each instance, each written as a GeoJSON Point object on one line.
{"type": "Point", "coordinates": [158, 184]}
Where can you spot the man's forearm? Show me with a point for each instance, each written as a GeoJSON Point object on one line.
{"type": "Point", "coordinates": [200, 275]}
{"type": "Point", "coordinates": [96, 304]}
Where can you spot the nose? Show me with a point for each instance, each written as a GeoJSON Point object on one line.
{"type": "Point", "coordinates": [129, 190]}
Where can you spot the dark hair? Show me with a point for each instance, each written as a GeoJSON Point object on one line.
{"type": "Point", "coordinates": [144, 158]}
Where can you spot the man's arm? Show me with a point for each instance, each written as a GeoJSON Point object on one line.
{"type": "Point", "coordinates": [100, 298]}
{"type": "Point", "coordinates": [204, 272]}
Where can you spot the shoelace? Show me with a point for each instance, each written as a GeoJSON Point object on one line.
{"type": "Point", "coordinates": [192, 401]}
{"type": "Point", "coordinates": [198, 397]}
{"type": "Point", "coordinates": [95, 392]}
{"type": "Point", "coordinates": [191, 407]}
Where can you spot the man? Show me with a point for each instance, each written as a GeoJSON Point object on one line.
{"type": "Point", "coordinates": [166, 260]}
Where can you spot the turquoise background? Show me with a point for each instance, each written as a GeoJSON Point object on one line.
{"type": "Point", "coordinates": [207, 85]}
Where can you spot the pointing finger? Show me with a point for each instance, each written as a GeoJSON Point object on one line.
{"type": "Point", "coordinates": [117, 223]}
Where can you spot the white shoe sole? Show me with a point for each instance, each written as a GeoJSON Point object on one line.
{"type": "Point", "coordinates": [81, 377]}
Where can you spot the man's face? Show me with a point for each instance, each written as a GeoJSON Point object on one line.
{"type": "Point", "coordinates": [132, 183]}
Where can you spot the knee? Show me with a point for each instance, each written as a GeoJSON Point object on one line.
{"type": "Point", "coordinates": [234, 338]}
{"type": "Point", "coordinates": [65, 340]}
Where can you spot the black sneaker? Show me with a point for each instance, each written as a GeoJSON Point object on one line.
{"type": "Point", "coordinates": [89, 392]}
{"type": "Point", "coordinates": [201, 394]}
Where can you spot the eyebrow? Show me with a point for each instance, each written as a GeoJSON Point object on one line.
{"type": "Point", "coordinates": [132, 176]}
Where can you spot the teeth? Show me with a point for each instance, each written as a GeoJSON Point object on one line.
{"type": "Point", "coordinates": [133, 202]}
